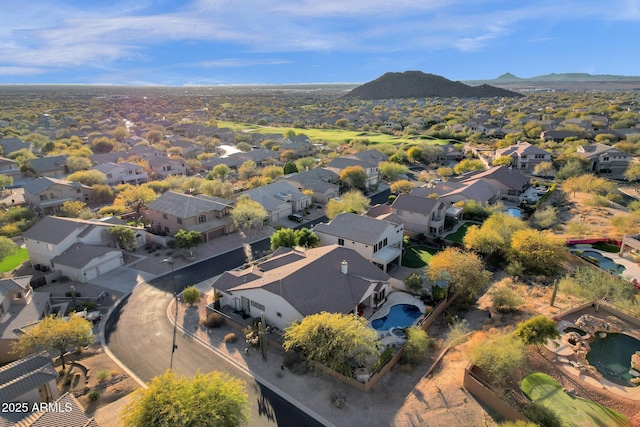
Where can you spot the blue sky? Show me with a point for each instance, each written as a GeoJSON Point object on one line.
{"type": "Point", "coordinates": [213, 42]}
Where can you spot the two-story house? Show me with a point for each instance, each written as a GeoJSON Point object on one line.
{"type": "Point", "coordinates": [52, 166]}
{"type": "Point", "coordinates": [19, 306]}
{"type": "Point", "coordinates": [279, 199]}
{"type": "Point", "coordinates": [377, 240]}
{"type": "Point", "coordinates": [10, 168]}
{"type": "Point", "coordinates": [79, 249]}
{"type": "Point", "coordinates": [524, 156]}
{"type": "Point", "coordinates": [47, 195]}
{"type": "Point", "coordinates": [368, 160]}
{"type": "Point", "coordinates": [323, 183]}
{"type": "Point", "coordinates": [510, 183]}
{"type": "Point", "coordinates": [604, 158]}
{"type": "Point", "coordinates": [172, 212]}
{"type": "Point", "coordinates": [300, 144]}
{"type": "Point", "coordinates": [420, 214]}
{"type": "Point", "coordinates": [162, 167]}
{"type": "Point", "coordinates": [122, 173]}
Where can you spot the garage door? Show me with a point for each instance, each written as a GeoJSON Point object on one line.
{"type": "Point", "coordinates": [215, 233]}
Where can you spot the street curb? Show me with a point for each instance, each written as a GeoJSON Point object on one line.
{"type": "Point", "coordinates": [247, 371]}
{"type": "Point", "coordinates": [103, 342]}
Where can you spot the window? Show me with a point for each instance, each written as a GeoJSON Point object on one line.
{"type": "Point", "coordinates": [43, 197]}
{"type": "Point", "coordinates": [164, 216]}
{"type": "Point", "coordinates": [109, 175]}
{"type": "Point", "coordinates": [278, 314]}
{"type": "Point", "coordinates": [78, 190]}
{"type": "Point", "coordinates": [605, 159]}
{"type": "Point", "coordinates": [17, 295]}
{"type": "Point", "coordinates": [49, 247]}
{"type": "Point", "coordinates": [341, 242]}
{"type": "Point", "coordinates": [257, 305]}
{"type": "Point", "coordinates": [166, 229]}
{"type": "Point", "coordinates": [202, 218]}
{"type": "Point", "coordinates": [179, 220]}
{"type": "Point", "coordinates": [384, 243]}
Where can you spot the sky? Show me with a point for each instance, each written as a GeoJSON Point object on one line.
{"type": "Point", "coordinates": [224, 42]}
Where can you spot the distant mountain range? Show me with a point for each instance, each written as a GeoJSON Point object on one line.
{"type": "Point", "coordinates": [564, 82]}
{"type": "Point", "coordinates": [416, 84]}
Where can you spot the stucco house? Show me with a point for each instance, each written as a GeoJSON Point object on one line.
{"type": "Point", "coordinates": [162, 167]}
{"type": "Point", "coordinates": [450, 192]}
{"type": "Point", "coordinates": [122, 173]}
{"type": "Point", "coordinates": [31, 379]}
{"type": "Point", "coordinates": [604, 158]}
{"type": "Point", "coordinates": [377, 240]}
{"type": "Point", "coordinates": [279, 199]}
{"type": "Point", "coordinates": [10, 168]}
{"type": "Point", "coordinates": [293, 284]}
{"type": "Point", "coordinates": [368, 160]}
{"type": "Point", "coordinates": [321, 181]}
{"type": "Point", "coordinates": [420, 214]}
{"type": "Point", "coordinates": [510, 183]}
{"type": "Point", "coordinates": [52, 166]}
{"type": "Point", "coordinates": [46, 195]}
{"type": "Point", "coordinates": [524, 156]}
{"type": "Point", "coordinates": [172, 212]}
{"type": "Point", "coordinates": [19, 306]}
{"type": "Point", "coordinates": [79, 249]}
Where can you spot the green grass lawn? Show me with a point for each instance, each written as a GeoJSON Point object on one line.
{"type": "Point", "coordinates": [459, 234]}
{"type": "Point", "coordinates": [418, 256]}
{"type": "Point", "coordinates": [573, 411]}
{"type": "Point", "coordinates": [12, 261]}
{"type": "Point", "coordinates": [331, 135]}
{"type": "Point", "coordinates": [606, 247]}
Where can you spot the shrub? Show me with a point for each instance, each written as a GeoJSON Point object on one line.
{"type": "Point", "coordinates": [230, 338]}
{"type": "Point", "coordinates": [171, 244]}
{"type": "Point", "coordinates": [102, 375]}
{"type": "Point", "coordinates": [504, 299]}
{"type": "Point", "coordinates": [385, 357]}
{"type": "Point", "coordinates": [213, 320]}
{"type": "Point", "coordinates": [93, 395]}
{"type": "Point", "coordinates": [67, 381]}
{"type": "Point", "coordinates": [295, 363]}
{"type": "Point", "coordinates": [542, 415]}
{"type": "Point", "coordinates": [438, 293]}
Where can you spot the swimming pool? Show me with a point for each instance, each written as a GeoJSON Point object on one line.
{"type": "Point", "coordinates": [611, 356]}
{"type": "Point", "coordinates": [514, 212]}
{"type": "Point", "coordinates": [572, 329]}
{"type": "Point", "coordinates": [604, 262]}
{"type": "Point", "coordinates": [399, 316]}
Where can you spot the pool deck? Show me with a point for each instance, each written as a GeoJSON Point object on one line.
{"type": "Point", "coordinates": [565, 356]}
{"type": "Point", "coordinates": [632, 270]}
{"type": "Point", "coordinates": [396, 298]}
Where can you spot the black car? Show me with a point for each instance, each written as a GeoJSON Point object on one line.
{"type": "Point", "coordinates": [296, 218]}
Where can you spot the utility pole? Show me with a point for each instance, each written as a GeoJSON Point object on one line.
{"type": "Point", "coordinates": [174, 346]}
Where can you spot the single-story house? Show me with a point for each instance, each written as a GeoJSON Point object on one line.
{"type": "Point", "coordinates": [279, 199]}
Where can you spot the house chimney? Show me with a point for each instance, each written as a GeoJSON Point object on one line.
{"type": "Point", "coordinates": [344, 267]}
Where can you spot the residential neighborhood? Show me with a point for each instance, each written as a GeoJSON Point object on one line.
{"type": "Point", "coordinates": [424, 236]}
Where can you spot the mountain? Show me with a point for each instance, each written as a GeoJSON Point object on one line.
{"type": "Point", "coordinates": [416, 84]}
{"type": "Point", "coordinates": [563, 81]}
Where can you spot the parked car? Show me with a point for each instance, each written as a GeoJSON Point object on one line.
{"type": "Point", "coordinates": [296, 218]}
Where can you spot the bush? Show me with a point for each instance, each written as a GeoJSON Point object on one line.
{"type": "Point", "coordinates": [295, 363]}
{"type": "Point", "coordinates": [504, 299]}
{"type": "Point", "coordinates": [385, 357]}
{"type": "Point", "coordinates": [102, 375]}
{"type": "Point", "coordinates": [213, 320]}
{"type": "Point", "coordinates": [230, 338]}
{"type": "Point", "coordinates": [93, 395]}
{"type": "Point", "coordinates": [438, 293]}
{"type": "Point", "coordinates": [542, 415]}
{"type": "Point", "coordinates": [171, 244]}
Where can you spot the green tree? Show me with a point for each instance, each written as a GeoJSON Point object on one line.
{"type": "Point", "coordinates": [633, 172]}
{"type": "Point", "coordinates": [5, 181]}
{"type": "Point", "coordinates": [467, 165]}
{"type": "Point", "coordinates": [7, 247]}
{"type": "Point", "coordinates": [188, 240]}
{"type": "Point", "coordinates": [498, 356]}
{"type": "Point", "coordinates": [539, 252]}
{"type": "Point", "coordinates": [414, 282]}
{"type": "Point", "coordinates": [285, 237]}
{"type": "Point", "coordinates": [306, 238]}
{"type": "Point", "coordinates": [494, 234]}
{"type": "Point", "coordinates": [214, 399]}
{"type": "Point", "coordinates": [54, 333]}
{"type": "Point", "coordinates": [546, 217]}
{"type": "Point", "coordinates": [537, 331]}
{"type": "Point", "coordinates": [89, 177]}
{"type": "Point", "coordinates": [248, 213]}
{"type": "Point", "coordinates": [243, 146]}
{"type": "Point", "coordinates": [573, 167]}
{"type": "Point", "coordinates": [124, 236]}
{"type": "Point", "coordinates": [290, 167]}
{"type": "Point", "coordinates": [354, 177]}
{"type": "Point", "coordinates": [103, 145]}
{"type": "Point", "coordinates": [339, 341]}
{"type": "Point", "coordinates": [191, 295]}
{"type": "Point", "coordinates": [505, 299]}
{"type": "Point", "coordinates": [353, 201]}
{"type": "Point", "coordinates": [154, 136]}
{"type": "Point", "coordinates": [598, 286]}
{"type": "Point", "coordinates": [432, 154]}
{"type": "Point", "coordinates": [402, 186]}
{"type": "Point", "coordinates": [120, 133]}
{"type": "Point", "coordinates": [417, 345]}
{"type": "Point", "coordinates": [444, 172]}
{"type": "Point", "coordinates": [502, 161]}
{"type": "Point", "coordinates": [544, 169]}
{"type": "Point", "coordinates": [463, 271]}
{"type": "Point", "coordinates": [272, 172]}
{"type": "Point", "coordinates": [73, 208]}
{"type": "Point", "coordinates": [392, 170]}
{"type": "Point", "coordinates": [77, 163]}
{"type": "Point", "coordinates": [135, 197]}
{"type": "Point", "coordinates": [102, 193]}
{"type": "Point", "coordinates": [414, 153]}
{"type": "Point", "coordinates": [221, 170]}
{"type": "Point", "coordinates": [305, 163]}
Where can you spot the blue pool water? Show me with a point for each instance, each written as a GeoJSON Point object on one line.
{"type": "Point", "coordinates": [611, 356]}
{"type": "Point", "coordinates": [604, 262]}
{"type": "Point", "coordinates": [400, 315]}
{"type": "Point", "coordinates": [514, 212]}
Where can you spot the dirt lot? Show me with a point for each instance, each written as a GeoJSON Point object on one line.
{"type": "Point", "coordinates": [102, 376]}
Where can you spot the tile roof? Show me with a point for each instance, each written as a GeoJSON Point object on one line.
{"type": "Point", "coordinates": [53, 229]}
{"type": "Point", "coordinates": [314, 281]}
{"type": "Point", "coordinates": [186, 206]}
{"type": "Point", "coordinates": [358, 228]}
{"type": "Point", "coordinates": [23, 375]}
{"type": "Point", "coordinates": [19, 316]}
{"type": "Point", "coordinates": [410, 203]}
{"type": "Point", "coordinates": [10, 284]}
{"type": "Point", "coordinates": [38, 185]}
{"type": "Point", "coordinates": [47, 164]}
{"type": "Point", "coordinates": [79, 255]}
{"type": "Point", "coordinates": [504, 175]}
{"type": "Point", "coordinates": [72, 415]}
